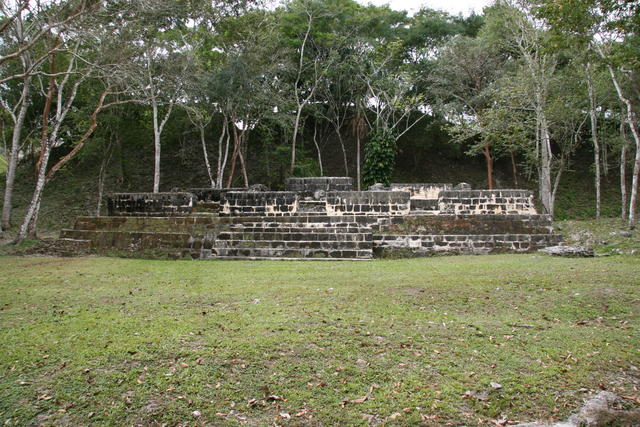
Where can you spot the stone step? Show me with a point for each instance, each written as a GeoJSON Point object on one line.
{"type": "Point", "coordinates": [298, 224]}
{"type": "Point", "coordinates": [462, 244]}
{"type": "Point", "coordinates": [286, 229]}
{"type": "Point", "coordinates": [354, 245]}
{"type": "Point", "coordinates": [61, 247]}
{"type": "Point", "coordinates": [186, 224]}
{"type": "Point", "coordinates": [305, 219]}
{"type": "Point", "coordinates": [202, 222]}
{"type": "Point", "coordinates": [301, 253]}
{"type": "Point", "coordinates": [284, 244]}
{"type": "Point", "coordinates": [129, 240]}
{"type": "Point", "coordinates": [242, 235]}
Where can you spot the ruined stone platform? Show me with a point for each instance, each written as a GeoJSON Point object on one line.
{"type": "Point", "coordinates": [317, 218]}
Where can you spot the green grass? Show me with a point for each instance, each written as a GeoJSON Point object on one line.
{"type": "Point", "coordinates": [115, 341]}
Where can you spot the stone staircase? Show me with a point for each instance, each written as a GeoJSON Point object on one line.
{"type": "Point", "coordinates": [464, 234]}
{"type": "Point", "coordinates": [287, 240]}
{"type": "Point", "coordinates": [201, 237]}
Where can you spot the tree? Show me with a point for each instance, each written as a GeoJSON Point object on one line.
{"type": "Point", "coordinates": [461, 82]}
{"type": "Point", "coordinates": [516, 31]}
{"type": "Point", "coordinates": [610, 28]}
{"type": "Point", "coordinates": [26, 45]}
{"type": "Point", "coordinates": [392, 98]}
{"type": "Point", "coordinates": [78, 64]}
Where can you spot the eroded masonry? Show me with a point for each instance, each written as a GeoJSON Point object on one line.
{"type": "Point", "coordinates": [316, 218]}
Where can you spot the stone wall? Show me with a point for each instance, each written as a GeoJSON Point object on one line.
{"type": "Point", "coordinates": [308, 186]}
{"type": "Point", "coordinates": [149, 204]}
{"type": "Point", "coordinates": [212, 194]}
{"type": "Point", "coordinates": [422, 191]}
{"type": "Point", "coordinates": [268, 203]}
{"type": "Point", "coordinates": [368, 203]}
{"type": "Point", "coordinates": [486, 202]}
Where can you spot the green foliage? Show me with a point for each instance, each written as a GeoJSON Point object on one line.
{"type": "Point", "coordinates": [379, 158]}
{"type": "Point", "coordinates": [3, 164]}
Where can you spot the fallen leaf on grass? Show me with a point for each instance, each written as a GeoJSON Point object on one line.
{"type": "Point", "coordinates": [23, 382]}
{"type": "Point", "coordinates": [395, 415]}
{"type": "Point", "coordinates": [302, 413]}
{"type": "Point", "coordinates": [362, 399]}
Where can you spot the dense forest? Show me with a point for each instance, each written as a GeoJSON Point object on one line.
{"type": "Point", "coordinates": [239, 94]}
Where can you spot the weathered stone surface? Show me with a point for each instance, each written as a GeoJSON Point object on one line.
{"type": "Point", "coordinates": [268, 203]}
{"type": "Point", "coordinates": [149, 204]}
{"type": "Point", "coordinates": [487, 202]}
{"type": "Point", "coordinates": [368, 203]}
{"type": "Point", "coordinates": [462, 186]}
{"type": "Point", "coordinates": [307, 186]}
{"type": "Point", "coordinates": [212, 194]}
{"type": "Point", "coordinates": [471, 224]}
{"type": "Point", "coordinates": [476, 244]}
{"type": "Point", "coordinates": [61, 247]}
{"type": "Point", "coordinates": [422, 191]}
{"type": "Point", "coordinates": [569, 251]}
{"type": "Point", "coordinates": [258, 187]}
{"type": "Point", "coordinates": [378, 187]}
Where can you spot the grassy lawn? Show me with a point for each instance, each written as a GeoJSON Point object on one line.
{"type": "Point", "coordinates": [115, 341]}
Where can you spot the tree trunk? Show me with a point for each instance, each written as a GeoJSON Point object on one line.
{"type": "Point", "coordinates": [30, 220]}
{"type": "Point", "coordinates": [294, 138]}
{"type": "Point", "coordinates": [236, 149]}
{"type": "Point", "coordinates": [344, 153]}
{"type": "Point", "coordinates": [156, 146]}
{"type": "Point", "coordinates": [222, 159]}
{"type": "Point", "coordinates": [358, 177]}
{"type": "Point", "coordinates": [514, 169]}
{"type": "Point", "coordinates": [545, 166]}
{"type": "Point", "coordinates": [12, 165]}
{"type": "Point", "coordinates": [636, 137]}
{"type": "Point", "coordinates": [206, 155]}
{"type": "Point", "coordinates": [623, 170]}
{"type": "Point", "coordinates": [594, 135]}
{"type": "Point", "coordinates": [234, 157]}
{"type": "Point", "coordinates": [243, 168]}
{"type": "Point", "coordinates": [489, 161]}
{"type": "Point", "coordinates": [27, 228]}
{"type": "Point", "coordinates": [102, 175]}
{"type": "Point", "coordinates": [633, 200]}
{"type": "Point", "coordinates": [315, 142]}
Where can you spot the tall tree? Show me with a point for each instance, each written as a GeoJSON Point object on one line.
{"type": "Point", "coordinates": [610, 28]}
{"type": "Point", "coordinates": [25, 47]}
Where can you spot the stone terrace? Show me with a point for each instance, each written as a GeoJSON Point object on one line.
{"type": "Point", "coordinates": [316, 218]}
